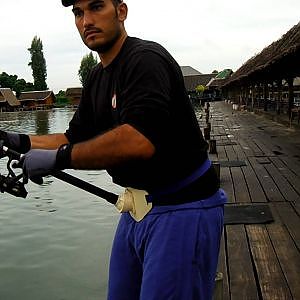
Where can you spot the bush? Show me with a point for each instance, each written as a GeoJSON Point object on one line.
{"type": "Point", "coordinates": [62, 101]}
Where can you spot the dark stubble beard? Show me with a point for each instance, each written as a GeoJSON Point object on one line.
{"type": "Point", "coordinates": [105, 47]}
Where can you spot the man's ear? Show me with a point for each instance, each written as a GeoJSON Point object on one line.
{"type": "Point", "coordinates": [122, 11]}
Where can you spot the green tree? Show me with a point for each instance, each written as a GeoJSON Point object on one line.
{"type": "Point", "coordinates": [200, 89]}
{"type": "Point", "coordinates": [7, 81]}
{"type": "Point", "coordinates": [61, 93]}
{"type": "Point", "coordinates": [22, 86]}
{"type": "Point", "coordinates": [87, 63]}
{"type": "Point", "coordinates": [61, 99]}
{"type": "Point", "coordinates": [38, 64]}
{"type": "Point", "coordinates": [15, 84]}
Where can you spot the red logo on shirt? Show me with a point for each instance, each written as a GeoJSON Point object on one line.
{"type": "Point", "coordinates": [114, 101]}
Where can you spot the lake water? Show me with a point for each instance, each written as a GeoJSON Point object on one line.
{"type": "Point", "coordinates": [55, 244]}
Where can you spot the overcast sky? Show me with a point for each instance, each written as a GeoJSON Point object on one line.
{"type": "Point", "coordinates": [207, 35]}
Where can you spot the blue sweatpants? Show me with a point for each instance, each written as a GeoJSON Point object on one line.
{"type": "Point", "coordinates": [171, 254]}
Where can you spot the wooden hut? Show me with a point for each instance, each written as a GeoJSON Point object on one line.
{"type": "Point", "coordinates": [37, 100]}
{"type": "Point", "coordinates": [8, 100]}
{"type": "Point", "coordinates": [191, 82]}
{"type": "Point", "coordinates": [74, 95]}
{"type": "Point", "coordinates": [193, 78]}
{"type": "Point", "coordinates": [261, 81]}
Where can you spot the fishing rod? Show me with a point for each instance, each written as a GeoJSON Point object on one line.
{"type": "Point", "coordinates": [12, 183]}
{"type": "Point", "coordinates": [132, 200]}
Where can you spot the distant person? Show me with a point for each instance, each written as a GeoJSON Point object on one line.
{"type": "Point", "coordinates": [136, 121]}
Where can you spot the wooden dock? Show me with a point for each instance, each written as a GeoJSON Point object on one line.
{"type": "Point", "coordinates": [260, 165]}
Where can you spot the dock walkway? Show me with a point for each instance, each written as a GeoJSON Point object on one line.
{"type": "Point", "coordinates": [262, 167]}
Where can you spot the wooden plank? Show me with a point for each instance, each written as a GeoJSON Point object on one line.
{"type": "Point", "coordinates": [296, 206]}
{"type": "Point", "coordinates": [269, 186]}
{"type": "Point", "coordinates": [293, 179]}
{"type": "Point", "coordinates": [255, 149]}
{"type": "Point", "coordinates": [226, 184]}
{"type": "Point", "coordinates": [288, 256]}
{"type": "Point", "coordinates": [271, 279]}
{"type": "Point", "coordinates": [263, 160]}
{"type": "Point", "coordinates": [255, 190]}
{"type": "Point", "coordinates": [221, 153]}
{"type": "Point", "coordinates": [291, 220]}
{"type": "Point", "coordinates": [241, 275]}
{"type": "Point", "coordinates": [238, 149]}
{"type": "Point", "coordinates": [222, 267]}
{"type": "Point", "coordinates": [266, 148]}
{"type": "Point", "coordinates": [240, 187]}
{"type": "Point", "coordinates": [284, 186]}
{"type": "Point", "coordinates": [230, 153]}
{"type": "Point", "coordinates": [293, 164]}
{"type": "Point", "coordinates": [218, 128]}
{"type": "Point", "coordinates": [247, 150]}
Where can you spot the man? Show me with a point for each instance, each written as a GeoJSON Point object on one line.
{"type": "Point", "coordinates": [135, 120]}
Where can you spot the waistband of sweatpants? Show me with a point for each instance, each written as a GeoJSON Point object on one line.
{"type": "Point", "coordinates": [216, 200]}
{"type": "Point", "coordinates": [174, 194]}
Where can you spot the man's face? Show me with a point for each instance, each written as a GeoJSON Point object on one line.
{"type": "Point", "coordinates": [99, 23]}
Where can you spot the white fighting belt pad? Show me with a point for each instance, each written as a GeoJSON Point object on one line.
{"type": "Point", "coordinates": [134, 201]}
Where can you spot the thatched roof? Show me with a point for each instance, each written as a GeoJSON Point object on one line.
{"type": "Point", "coordinates": [74, 92]}
{"type": "Point", "coordinates": [36, 95]}
{"type": "Point", "coordinates": [281, 58]}
{"type": "Point", "coordinates": [189, 71]}
{"type": "Point", "coordinates": [6, 95]}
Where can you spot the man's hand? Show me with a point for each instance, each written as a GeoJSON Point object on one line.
{"type": "Point", "coordinates": [38, 163]}
{"type": "Point", "coordinates": [14, 141]}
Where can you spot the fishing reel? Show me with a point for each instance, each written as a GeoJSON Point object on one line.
{"type": "Point", "coordinates": [15, 184]}
{"type": "Point", "coordinates": [11, 183]}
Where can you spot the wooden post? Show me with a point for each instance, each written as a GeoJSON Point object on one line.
{"type": "Point", "coordinates": [247, 96]}
{"type": "Point", "coordinates": [216, 166]}
{"type": "Point", "coordinates": [252, 98]}
{"type": "Point", "coordinates": [290, 82]}
{"type": "Point", "coordinates": [207, 133]}
{"type": "Point", "coordinates": [208, 125]}
{"type": "Point", "coordinates": [241, 91]}
{"type": "Point", "coordinates": [212, 146]}
{"type": "Point", "coordinates": [207, 117]}
{"type": "Point", "coordinates": [271, 95]}
{"type": "Point", "coordinates": [279, 96]}
{"type": "Point", "coordinates": [258, 94]}
{"type": "Point", "coordinates": [265, 91]}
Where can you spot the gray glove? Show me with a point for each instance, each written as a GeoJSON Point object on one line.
{"type": "Point", "coordinates": [38, 163]}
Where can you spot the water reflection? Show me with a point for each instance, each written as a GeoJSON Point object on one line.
{"type": "Point", "coordinates": [54, 244]}
{"type": "Point", "coordinates": [42, 122]}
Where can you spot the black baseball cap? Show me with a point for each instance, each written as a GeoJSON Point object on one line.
{"type": "Point", "coordinates": [67, 2]}
{"type": "Point", "coordinates": [71, 2]}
